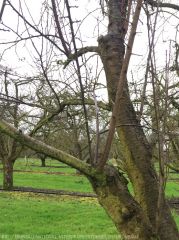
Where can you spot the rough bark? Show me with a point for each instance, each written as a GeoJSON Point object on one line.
{"type": "Point", "coordinates": [136, 149]}
{"type": "Point", "coordinates": [9, 152]}
{"type": "Point", "coordinates": [8, 174]}
{"type": "Point", "coordinates": [125, 212]}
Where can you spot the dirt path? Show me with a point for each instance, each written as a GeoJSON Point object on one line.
{"type": "Point", "coordinates": [47, 172]}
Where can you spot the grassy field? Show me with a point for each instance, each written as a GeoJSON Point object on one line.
{"type": "Point", "coordinates": [33, 215]}
{"type": "Point", "coordinates": [40, 177]}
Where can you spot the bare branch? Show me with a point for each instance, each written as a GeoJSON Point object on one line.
{"type": "Point", "coordinates": [90, 102]}
{"type": "Point", "coordinates": [79, 78]}
{"type": "Point", "coordinates": [163, 5]}
{"type": "Point", "coordinates": [54, 8]}
{"type": "Point", "coordinates": [34, 28]}
{"type": "Point", "coordinates": [97, 129]}
{"type": "Point", "coordinates": [79, 53]}
{"type": "Point", "coordinates": [45, 120]}
{"type": "Point", "coordinates": [64, 103]}
{"type": "Point", "coordinates": [2, 9]}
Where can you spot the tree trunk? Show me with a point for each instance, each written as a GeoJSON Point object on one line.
{"type": "Point", "coordinates": [137, 151]}
{"type": "Point", "coordinates": [135, 147]}
{"type": "Point", "coordinates": [43, 161]}
{"type": "Point", "coordinates": [119, 204]}
{"type": "Point", "coordinates": [138, 164]}
{"type": "Point", "coordinates": [8, 174]}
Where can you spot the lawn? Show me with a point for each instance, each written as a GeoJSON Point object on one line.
{"type": "Point", "coordinates": [172, 189]}
{"type": "Point", "coordinates": [38, 214]}
{"type": "Point", "coordinates": [29, 216]}
{"type": "Point", "coordinates": [40, 177]}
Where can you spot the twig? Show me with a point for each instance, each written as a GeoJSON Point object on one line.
{"type": "Point", "coordinates": [79, 78]}
{"type": "Point", "coordinates": [2, 9]}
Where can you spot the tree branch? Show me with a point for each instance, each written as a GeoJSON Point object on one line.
{"type": "Point", "coordinates": [163, 5]}
{"type": "Point", "coordinates": [41, 147]}
{"type": "Point", "coordinates": [54, 8]}
{"type": "Point", "coordinates": [90, 102]}
{"type": "Point", "coordinates": [79, 53]}
{"type": "Point", "coordinates": [2, 9]}
{"type": "Point", "coordinates": [34, 28]}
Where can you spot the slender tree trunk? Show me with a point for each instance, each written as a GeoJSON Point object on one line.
{"type": "Point", "coordinates": [8, 174]}
{"type": "Point", "coordinates": [43, 161]}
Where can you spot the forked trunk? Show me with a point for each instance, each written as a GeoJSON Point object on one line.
{"type": "Point", "coordinates": [135, 147]}
{"type": "Point", "coordinates": [8, 174]}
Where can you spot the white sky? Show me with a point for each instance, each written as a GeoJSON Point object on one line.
{"type": "Point", "coordinates": [19, 59]}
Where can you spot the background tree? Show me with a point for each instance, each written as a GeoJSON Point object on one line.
{"type": "Point", "coordinates": [9, 109]}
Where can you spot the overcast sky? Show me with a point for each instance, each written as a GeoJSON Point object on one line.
{"type": "Point", "coordinates": [19, 59]}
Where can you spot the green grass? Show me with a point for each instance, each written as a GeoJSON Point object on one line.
{"type": "Point", "coordinates": [68, 181]}
{"type": "Point", "coordinates": [176, 217]}
{"type": "Point", "coordinates": [37, 179]}
{"type": "Point", "coordinates": [24, 213]}
{"type": "Point", "coordinates": [33, 164]}
{"type": "Point", "coordinates": [38, 214]}
{"type": "Point", "coordinates": [71, 183]}
{"type": "Point", "coordinates": [172, 189]}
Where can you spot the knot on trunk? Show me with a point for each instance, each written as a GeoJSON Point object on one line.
{"type": "Point", "coordinates": [113, 175]}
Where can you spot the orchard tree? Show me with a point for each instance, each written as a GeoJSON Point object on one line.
{"type": "Point", "coordinates": [146, 214]}
{"type": "Point", "coordinates": [9, 110]}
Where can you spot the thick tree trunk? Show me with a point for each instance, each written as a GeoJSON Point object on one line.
{"type": "Point", "coordinates": [124, 211]}
{"type": "Point", "coordinates": [138, 164]}
{"type": "Point", "coordinates": [8, 174]}
{"type": "Point", "coordinates": [136, 149]}
{"type": "Point", "coordinates": [134, 217]}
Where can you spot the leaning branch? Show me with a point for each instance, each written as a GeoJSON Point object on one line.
{"type": "Point", "coordinates": [41, 147]}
